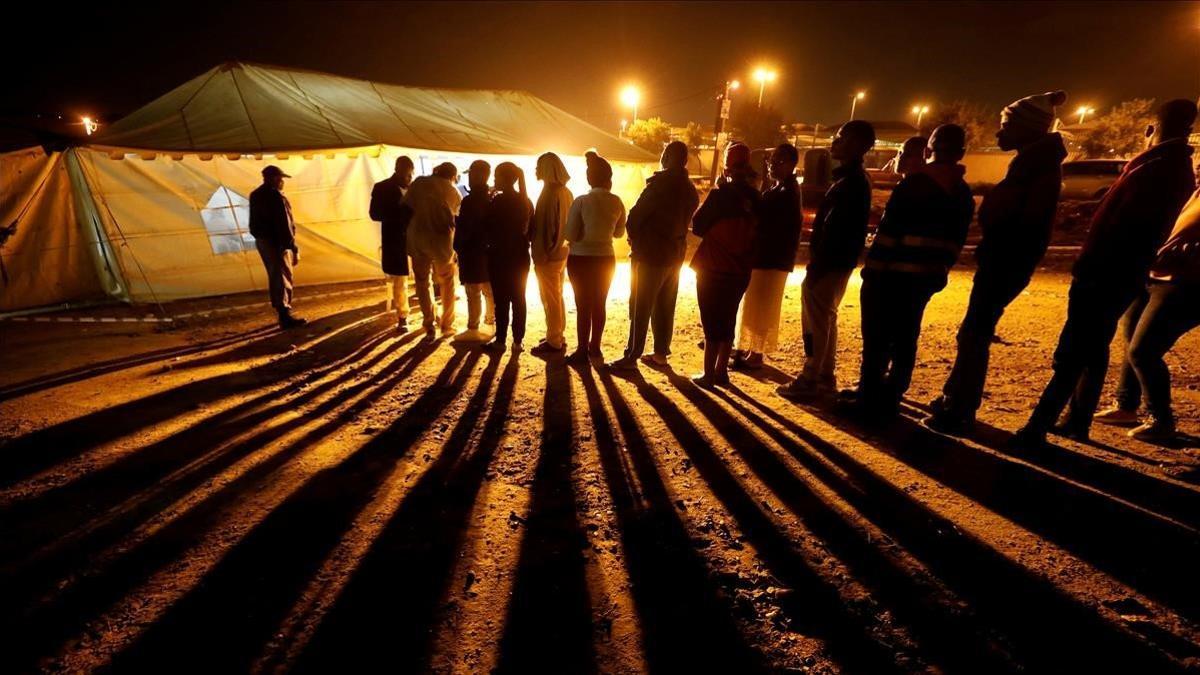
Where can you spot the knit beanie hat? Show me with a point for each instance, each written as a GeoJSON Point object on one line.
{"type": "Point", "coordinates": [599, 171]}
{"type": "Point", "coordinates": [737, 155]}
{"type": "Point", "coordinates": [1034, 112]}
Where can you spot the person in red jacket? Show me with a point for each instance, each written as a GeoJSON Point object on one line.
{"type": "Point", "coordinates": [726, 223]}
{"type": "Point", "coordinates": [1127, 230]}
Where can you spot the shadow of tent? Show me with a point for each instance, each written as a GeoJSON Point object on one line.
{"type": "Point", "coordinates": [1047, 628]}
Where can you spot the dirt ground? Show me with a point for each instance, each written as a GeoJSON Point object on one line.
{"type": "Point", "coordinates": [217, 496]}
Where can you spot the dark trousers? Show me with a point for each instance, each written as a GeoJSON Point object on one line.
{"type": "Point", "coordinates": [991, 293]}
{"type": "Point", "coordinates": [652, 293]}
{"type": "Point", "coordinates": [1081, 358]}
{"type": "Point", "coordinates": [892, 308]}
{"type": "Point", "coordinates": [718, 297]}
{"type": "Point", "coordinates": [508, 292]}
{"type": "Point", "coordinates": [1153, 324]}
{"type": "Point", "coordinates": [591, 276]}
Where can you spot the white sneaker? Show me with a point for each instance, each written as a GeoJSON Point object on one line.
{"type": "Point", "coordinates": [472, 336]}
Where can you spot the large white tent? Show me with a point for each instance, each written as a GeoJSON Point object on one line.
{"type": "Point", "coordinates": [154, 207]}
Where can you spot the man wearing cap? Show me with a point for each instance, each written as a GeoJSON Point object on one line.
{"type": "Point", "coordinates": [1015, 218]}
{"type": "Point", "coordinates": [434, 202]}
{"type": "Point", "coordinates": [274, 233]}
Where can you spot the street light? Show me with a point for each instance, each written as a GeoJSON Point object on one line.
{"type": "Point", "coordinates": [919, 111]}
{"type": "Point", "coordinates": [624, 123]}
{"type": "Point", "coordinates": [1083, 112]}
{"type": "Point", "coordinates": [723, 105]}
{"type": "Point", "coordinates": [631, 96]}
{"type": "Point", "coordinates": [89, 125]}
{"type": "Point", "coordinates": [854, 101]}
{"type": "Point", "coordinates": [763, 76]}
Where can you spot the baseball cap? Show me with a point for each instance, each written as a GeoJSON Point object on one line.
{"type": "Point", "coordinates": [273, 170]}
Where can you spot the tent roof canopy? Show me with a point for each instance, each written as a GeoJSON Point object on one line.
{"type": "Point", "coordinates": [248, 108]}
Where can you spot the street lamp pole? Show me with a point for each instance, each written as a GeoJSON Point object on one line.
{"type": "Point", "coordinates": [854, 101]}
{"type": "Point", "coordinates": [1084, 111]}
{"type": "Point", "coordinates": [763, 76]}
{"type": "Point", "coordinates": [723, 104]}
{"type": "Point", "coordinates": [919, 111]}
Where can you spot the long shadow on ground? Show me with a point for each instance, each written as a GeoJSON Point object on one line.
{"type": "Point", "coordinates": [1047, 629]}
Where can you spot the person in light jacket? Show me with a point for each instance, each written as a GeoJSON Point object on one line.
{"type": "Point", "coordinates": [434, 202]}
{"type": "Point", "coordinates": [594, 220]}
{"type": "Point", "coordinates": [549, 249]}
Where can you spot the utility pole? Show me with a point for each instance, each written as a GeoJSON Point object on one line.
{"type": "Point", "coordinates": [723, 104]}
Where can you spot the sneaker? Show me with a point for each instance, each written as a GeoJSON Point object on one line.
{"type": "Point", "coordinates": [704, 381]}
{"type": "Point", "coordinates": [1118, 417]}
{"type": "Point", "coordinates": [802, 390]}
{"type": "Point", "coordinates": [1156, 431]}
{"type": "Point", "coordinates": [655, 360]}
{"type": "Point", "coordinates": [287, 321]}
{"type": "Point", "coordinates": [544, 347]}
{"type": "Point", "coordinates": [748, 361]}
{"type": "Point", "coordinates": [1066, 429]}
{"type": "Point", "coordinates": [471, 335]}
{"type": "Point", "coordinates": [494, 345]}
{"type": "Point", "coordinates": [623, 364]}
{"type": "Point", "coordinates": [578, 357]}
{"type": "Point", "coordinates": [721, 379]}
{"type": "Point", "coordinates": [402, 326]}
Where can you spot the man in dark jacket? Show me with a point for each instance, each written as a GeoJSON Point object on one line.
{"type": "Point", "coordinates": [1128, 228]}
{"type": "Point", "coordinates": [657, 230]}
{"type": "Point", "coordinates": [274, 233]}
{"type": "Point", "coordinates": [387, 208]}
{"type": "Point", "coordinates": [838, 235]}
{"type": "Point", "coordinates": [1015, 218]}
{"type": "Point", "coordinates": [920, 235]}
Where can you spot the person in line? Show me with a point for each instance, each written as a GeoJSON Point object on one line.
{"type": "Point", "coordinates": [727, 225]}
{"type": "Point", "coordinates": [274, 232]}
{"type": "Point", "coordinates": [388, 209]}
{"type": "Point", "coordinates": [657, 230]}
{"type": "Point", "coordinates": [434, 202]}
{"type": "Point", "coordinates": [923, 228]}
{"type": "Point", "coordinates": [1128, 228]}
{"type": "Point", "coordinates": [1155, 322]}
{"type": "Point", "coordinates": [838, 236]}
{"type": "Point", "coordinates": [780, 219]}
{"type": "Point", "coordinates": [549, 249]}
{"type": "Point", "coordinates": [1015, 218]}
{"type": "Point", "coordinates": [506, 229]}
{"type": "Point", "coordinates": [593, 221]}
{"type": "Point", "coordinates": [471, 249]}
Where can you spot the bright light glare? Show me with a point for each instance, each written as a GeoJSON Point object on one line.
{"type": "Point", "coordinates": [764, 75]}
{"type": "Point", "coordinates": [735, 84]}
{"type": "Point", "coordinates": [89, 125]}
{"type": "Point", "coordinates": [630, 96]}
{"type": "Point", "coordinates": [860, 95]}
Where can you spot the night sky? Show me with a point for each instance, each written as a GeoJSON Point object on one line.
{"type": "Point", "coordinates": [108, 59]}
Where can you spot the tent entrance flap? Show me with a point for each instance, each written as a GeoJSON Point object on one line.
{"type": "Point", "coordinates": [99, 247]}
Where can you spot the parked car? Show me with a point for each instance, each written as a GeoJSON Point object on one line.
{"type": "Point", "coordinates": [1089, 179]}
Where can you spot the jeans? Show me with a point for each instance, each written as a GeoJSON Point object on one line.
{"type": "Point", "coordinates": [1153, 324]}
{"type": "Point", "coordinates": [550, 276]}
{"type": "Point", "coordinates": [892, 308]}
{"type": "Point", "coordinates": [479, 296]}
{"type": "Point", "coordinates": [443, 274]}
{"type": "Point", "coordinates": [820, 297]}
{"type": "Point", "coordinates": [508, 292]}
{"type": "Point", "coordinates": [991, 294]}
{"type": "Point", "coordinates": [278, 264]}
{"type": "Point", "coordinates": [591, 277]}
{"type": "Point", "coordinates": [1081, 358]}
{"type": "Point", "coordinates": [652, 293]}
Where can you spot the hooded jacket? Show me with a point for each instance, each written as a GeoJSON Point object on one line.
{"type": "Point", "coordinates": [658, 223]}
{"type": "Point", "coordinates": [1179, 259]}
{"type": "Point", "coordinates": [923, 227]}
{"type": "Point", "coordinates": [840, 229]}
{"type": "Point", "coordinates": [549, 241]}
{"type": "Point", "coordinates": [434, 202]}
{"type": "Point", "coordinates": [780, 219]}
{"type": "Point", "coordinates": [1016, 216]}
{"type": "Point", "coordinates": [726, 222]}
{"type": "Point", "coordinates": [1136, 215]}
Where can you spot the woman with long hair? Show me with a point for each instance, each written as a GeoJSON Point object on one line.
{"type": "Point", "coordinates": [506, 234]}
